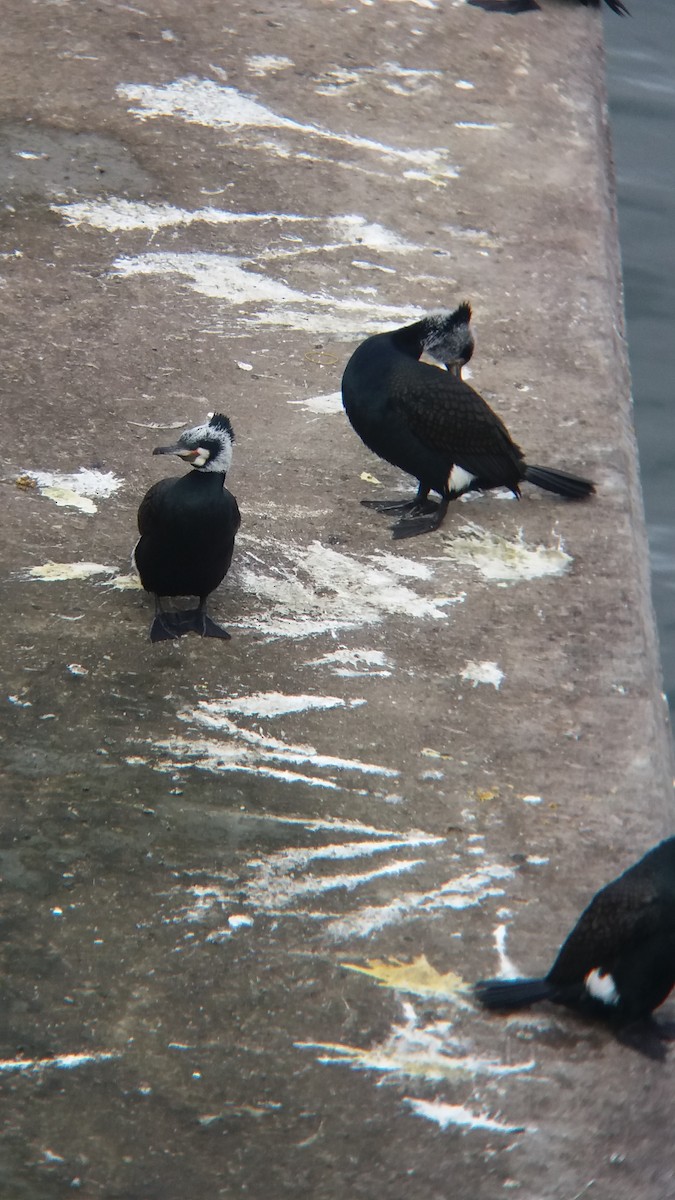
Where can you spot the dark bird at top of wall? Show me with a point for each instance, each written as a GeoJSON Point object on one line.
{"type": "Point", "coordinates": [618, 963]}
{"type": "Point", "coordinates": [188, 525]}
{"type": "Point", "coordinates": [430, 423]}
{"type": "Point", "coordinates": [520, 6]}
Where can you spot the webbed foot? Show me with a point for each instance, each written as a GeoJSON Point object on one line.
{"type": "Point", "coordinates": [414, 525]}
{"type": "Point", "coordinates": [211, 629]}
{"type": "Point", "coordinates": [196, 620]}
{"type": "Point", "coordinates": [166, 627]}
{"type": "Point", "coordinates": [414, 506]}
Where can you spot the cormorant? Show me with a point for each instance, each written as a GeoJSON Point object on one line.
{"type": "Point", "coordinates": [619, 960]}
{"type": "Point", "coordinates": [615, 5]}
{"type": "Point", "coordinates": [430, 423]}
{"type": "Point", "coordinates": [187, 526]}
{"type": "Point", "coordinates": [518, 6]}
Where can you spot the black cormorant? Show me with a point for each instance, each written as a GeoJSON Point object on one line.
{"type": "Point", "coordinates": [519, 6]}
{"type": "Point", "coordinates": [619, 960]}
{"type": "Point", "coordinates": [187, 526]}
{"type": "Point", "coordinates": [430, 423]}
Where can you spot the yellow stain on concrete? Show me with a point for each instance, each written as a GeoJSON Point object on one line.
{"type": "Point", "coordinates": [125, 583]}
{"type": "Point", "coordinates": [52, 572]}
{"type": "Point", "coordinates": [417, 977]}
{"type": "Point", "coordinates": [400, 1060]}
{"type": "Point", "coordinates": [485, 794]}
{"type": "Point", "coordinates": [503, 559]}
{"type": "Point", "coordinates": [67, 498]}
{"type": "Point", "coordinates": [415, 1050]}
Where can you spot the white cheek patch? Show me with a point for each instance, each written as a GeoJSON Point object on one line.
{"type": "Point", "coordinates": [202, 458]}
{"type": "Point", "coordinates": [460, 480]}
{"type": "Point", "coordinates": [601, 987]}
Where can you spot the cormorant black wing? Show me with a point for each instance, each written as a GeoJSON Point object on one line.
{"type": "Point", "coordinates": [151, 503]}
{"type": "Point", "coordinates": [617, 919]}
{"type": "Point", "coordinates": [450, 417]}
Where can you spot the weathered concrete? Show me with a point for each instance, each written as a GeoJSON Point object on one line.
{"type": "Point", "coordinates": [184, 897]}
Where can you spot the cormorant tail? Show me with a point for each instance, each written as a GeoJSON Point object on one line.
{"type": "Point", "coordinates": [615, 5]}
{"type": "Point", "coordinates": [512, 993]}
{"type": "Point", "coordinates": [507, 6]}
{"type": "Point", "coordinates": [559, 482]}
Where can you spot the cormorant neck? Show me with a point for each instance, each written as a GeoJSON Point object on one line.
{"type": "Point", "coordinates": [214, 479]}
{"type": "Point", "coordinates": [410, 339]}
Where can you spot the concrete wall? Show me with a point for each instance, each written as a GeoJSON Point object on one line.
{"type": "Point", "coordinates": [246, 884]}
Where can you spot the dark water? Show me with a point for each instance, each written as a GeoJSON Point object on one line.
{"type": "Point", "coordinates": [641, 85]}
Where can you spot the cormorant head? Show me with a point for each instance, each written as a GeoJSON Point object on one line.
{"type": "Point", "coordinates": [447, 337]}
{"type": "Point", "coordinates": [206, 447]}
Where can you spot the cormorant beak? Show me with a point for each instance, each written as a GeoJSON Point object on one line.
{"type": "Point", "coordinates": [177, 449]}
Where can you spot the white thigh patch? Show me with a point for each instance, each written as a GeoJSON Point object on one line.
{"type": "Point", "coordinates": [601, 987]}
{"type": "Point", "coordinates": [460, 480]}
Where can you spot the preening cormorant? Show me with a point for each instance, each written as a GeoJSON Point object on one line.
{"type": "Point", "coordinates": [430, 423]}
{"type": "Point", "coordinates": [619, 960]}
{"type": "Point", "coordinates": [188, 525]}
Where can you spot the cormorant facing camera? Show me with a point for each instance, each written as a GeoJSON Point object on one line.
{"type": "Point", "coordinates": [619, 960]}
{"type": "Point", "coordinates": [431, 424]}
{"type": "Point", "coordinates": [187, 526]}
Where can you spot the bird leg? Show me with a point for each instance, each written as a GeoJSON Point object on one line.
{"type": "Point", "coordinates": [170, 625]}
{"type": "Point", "coordinates": [197, 619]}
{"type": "Point", "coordinates": [647, 1037]}
{"type": "Point", "coordinates": [211, 629]}
{"type": "Point", "coordinates": [415, 507]}
{"type": "Point", "coordinates": [165, 626]}
{"type": "Point", "coordinates": [414, 525]}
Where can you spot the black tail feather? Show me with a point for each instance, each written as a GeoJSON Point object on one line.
{"type": "Point", "coordinates": [559, 482]}
{"type": "Point", "coordinates": [506, 6]}
{"type": "Point", "coordinates": [512, 993]}
{"type": "Point", "coordinates": [616, 6]}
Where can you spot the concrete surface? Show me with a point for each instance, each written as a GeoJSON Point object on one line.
{"type": "Point", "coordinates": [410, 759]}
